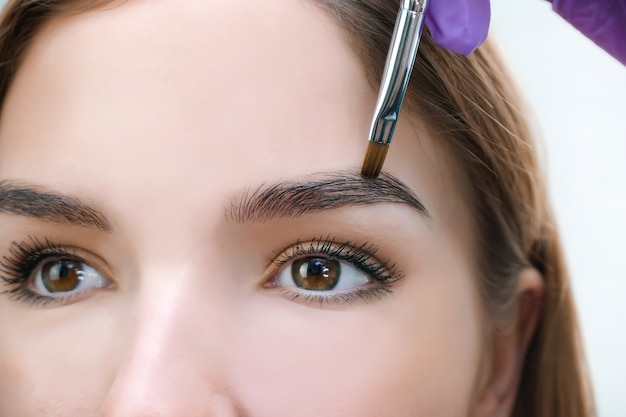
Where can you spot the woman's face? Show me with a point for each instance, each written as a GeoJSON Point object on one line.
{"type": "Point", "coordinates": [185, 233]}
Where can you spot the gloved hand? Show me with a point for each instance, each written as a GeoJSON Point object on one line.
{"type": "Point", "coordinates": [602, 21]}
{"type": "Point", "coordinates": [462, 25]}
{"type": "Point", "coordinates": [458, 25]}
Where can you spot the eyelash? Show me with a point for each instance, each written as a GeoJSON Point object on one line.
{"type": "Point", "coordinates": [362, 256]}
{"type": "Point", "coordinates": [16, 268]}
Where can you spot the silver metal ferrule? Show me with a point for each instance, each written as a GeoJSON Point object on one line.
{"type": "Point", "coordinates": [398, 67]}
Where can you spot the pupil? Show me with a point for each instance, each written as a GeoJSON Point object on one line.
{"type": "Point", "coordinates": [316, 267]}
{"type": "Point", "coordinates": [316, 274]}
{"type": "Point", "coordinates": [65, 270]}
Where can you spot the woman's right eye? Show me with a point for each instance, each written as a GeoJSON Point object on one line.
{"type": "Point", "coordinates": [63, 277]}
{"type": "Point", "coordinates": [39, 271]}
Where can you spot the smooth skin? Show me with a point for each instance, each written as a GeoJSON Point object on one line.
{"type": "Point", "coordinates": [160, 114]}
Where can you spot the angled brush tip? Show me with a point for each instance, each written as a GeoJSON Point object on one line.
{"type": "Point", "coordinates": [374, 159]}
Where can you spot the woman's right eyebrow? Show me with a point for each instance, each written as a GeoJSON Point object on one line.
{"type": "Point", "coordinates": [31, 201]}
{"type": "Point", "coordinates": [319, 192]}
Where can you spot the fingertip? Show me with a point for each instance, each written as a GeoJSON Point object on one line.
{"type": "Point", "coordinates": [460, 26]}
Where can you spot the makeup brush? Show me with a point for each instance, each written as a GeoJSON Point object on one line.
{"type": "Point", "coordinates": [398, 67]}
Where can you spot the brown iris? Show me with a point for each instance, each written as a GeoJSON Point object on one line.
{"type": "Point", "coordinates": [316, 274]}
{"type": "Point", "coordinates": [62, 275]}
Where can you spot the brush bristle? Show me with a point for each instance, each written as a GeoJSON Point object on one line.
{"type": "Point", "coordinates": [374, 159]}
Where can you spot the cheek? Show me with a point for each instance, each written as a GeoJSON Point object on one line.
{"type": "Point", "coordinates": [55, 361]}
{"type": "Point", "coordinates": [414, 354]}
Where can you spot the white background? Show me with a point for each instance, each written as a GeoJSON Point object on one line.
{"type": "Point", "coordinates": [578, 95]}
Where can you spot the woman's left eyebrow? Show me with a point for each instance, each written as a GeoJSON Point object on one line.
{"type": "Point", "coordinates": [34, 202]}
{"type": "Point", "coordinates": [318, 192]}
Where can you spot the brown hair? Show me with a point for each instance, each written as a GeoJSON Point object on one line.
{"type": "Point", "coordinates": [470, 105]}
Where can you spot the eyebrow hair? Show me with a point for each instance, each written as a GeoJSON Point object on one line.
{"type": "Point", "coordinates": [325, 191]}
{"type": "Point", "coordinates": [35, 202]}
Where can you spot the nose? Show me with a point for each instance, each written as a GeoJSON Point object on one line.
{"type": "Point", "coordinates": [171, 361]}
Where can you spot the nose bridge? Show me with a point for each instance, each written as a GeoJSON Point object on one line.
{"type": "Point", "coordinates": [170, 365]}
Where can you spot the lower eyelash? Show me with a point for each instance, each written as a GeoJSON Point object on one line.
{"type": "Point", "coordinates": [21, 294]}
{"type": "Point", "coordinates": [366, 294]}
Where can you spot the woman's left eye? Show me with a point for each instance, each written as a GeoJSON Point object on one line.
{"type": "Point", "coordinates": [318, 273]}
{"type": "Point", "coordinates": [56, 278]}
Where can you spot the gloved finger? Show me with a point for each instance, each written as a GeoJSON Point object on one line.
{"type": "Point", "coordinates": [459, 25]}
{"type": "Point", "coordinates": [602, 21]}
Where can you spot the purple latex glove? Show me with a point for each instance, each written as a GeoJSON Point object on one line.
{"type": "Point", "coordinates": [459, 25]}
{"type": "Point", "coordinates": [602, 21]}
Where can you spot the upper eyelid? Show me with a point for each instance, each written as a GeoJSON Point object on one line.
{"type": "Point", "coordinates": [29, 252]}
{"type": "Point", "coordinates": [380, 266]}
{"type": "Point", "coordinates": [50, 249]}
{"type": "Point", "coordinates": [306, 248]}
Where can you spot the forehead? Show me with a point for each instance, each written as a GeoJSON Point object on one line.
{"type": "Point", "coordinates": [145, 96]}
{"type": "Point", "coordinates": [142, 68]}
